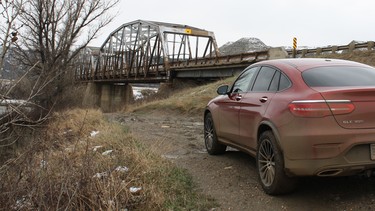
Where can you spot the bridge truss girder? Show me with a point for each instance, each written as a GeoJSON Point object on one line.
{"type": "Point", "coordinates": [146, 51]}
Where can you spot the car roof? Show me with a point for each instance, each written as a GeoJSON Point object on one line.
{"type": "Point", "coordinates": [303, 64]}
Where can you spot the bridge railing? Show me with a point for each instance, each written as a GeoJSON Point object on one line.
{"type": "Point", "coordinates": [334, 49]}
{"type": "Point", "coordinates": [243, 58]}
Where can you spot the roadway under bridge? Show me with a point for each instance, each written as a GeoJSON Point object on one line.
{"type": "Point", "coordinates": [153, 52]}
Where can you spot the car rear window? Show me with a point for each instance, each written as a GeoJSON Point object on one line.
{"type": "Point", "coordinates": [339, 76]}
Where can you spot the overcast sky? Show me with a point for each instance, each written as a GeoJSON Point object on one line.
{"type": "Point", "coordinates": [315, 23]}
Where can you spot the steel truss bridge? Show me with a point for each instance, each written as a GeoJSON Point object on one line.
{"type": "Point", "coordinates": [148, 51]}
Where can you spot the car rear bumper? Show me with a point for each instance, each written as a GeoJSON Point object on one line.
{"type": "Point", "coordinates": [319, 147]}
{"type": "Point", "coordinates": [355, 160]}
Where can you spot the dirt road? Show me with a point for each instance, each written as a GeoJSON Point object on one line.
{"type": "Point", "coordinates": [231, 178]}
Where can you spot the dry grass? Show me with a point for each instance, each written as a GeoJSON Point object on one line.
{"type": "Point", "coordinates": [186, 101]}
{"type": "Point", "coordinates": [366, 57]}
{"type": "Point", "coordinates": [64, 167]}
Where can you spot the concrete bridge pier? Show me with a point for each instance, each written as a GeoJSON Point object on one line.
{"type": "Point", "coordinates": [109, 97]}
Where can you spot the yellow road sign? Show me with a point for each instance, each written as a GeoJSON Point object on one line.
{"type": "Point", "coordinates": [294, 43]}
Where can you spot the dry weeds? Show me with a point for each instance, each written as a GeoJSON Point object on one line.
{"type": "Point", "coordinates": [366, 57]}
{"type": "Point", "coordinates": [82, 162]}
{"type": "Point", "coordinates": [186, 101]}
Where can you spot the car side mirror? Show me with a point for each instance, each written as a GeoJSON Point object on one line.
{"type": "Point", "coordinates": [222, 90]}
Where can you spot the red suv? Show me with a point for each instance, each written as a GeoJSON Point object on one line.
{"type": "Point", "coordinates": [297, 117]}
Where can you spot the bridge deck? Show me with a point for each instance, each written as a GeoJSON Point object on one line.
{"type": "Point", "coordinates": [218, 67]}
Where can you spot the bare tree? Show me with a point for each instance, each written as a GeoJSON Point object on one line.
{"type": "Point", "coordinates": [9, 13]}
{"type": "Point", "coordinates": [9, 25]}
{"type": "Point", "coordinates": [53, 35]}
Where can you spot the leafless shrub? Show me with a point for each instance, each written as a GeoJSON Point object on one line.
{"type": "Point", "coordinates": [50, 34]}
{"type": "Point", "coordinates": [16, 114]}
{"type": "Point", "coordinates": [81, 162]}
{"type": "Point", "coordinates": [9, 11]}
{"type": "Point", "coordinates": [47, 32]}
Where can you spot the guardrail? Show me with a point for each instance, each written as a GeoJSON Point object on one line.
{"type": "Point", "coordinates": [370, 45]}
{"type": "Point", "coordinates": [246, 58]}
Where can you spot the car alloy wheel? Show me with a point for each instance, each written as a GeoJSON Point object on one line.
{"type": "Point", "coordinates": [208, 133]}
{"type": "Point", "coordinates": [213, 147]}
{"type": "Point", "coordinates": [270, 165]}
{"type": "Point", "coordinates": [266, 162]}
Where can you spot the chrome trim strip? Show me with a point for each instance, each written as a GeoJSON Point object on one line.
{"type": "Point", "coordinates": [338, 101]}
{"type": "Point", "coordinates": [321, 101]}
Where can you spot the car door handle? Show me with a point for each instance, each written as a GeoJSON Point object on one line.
{"type": "Point", "coordinates": [263, 99]}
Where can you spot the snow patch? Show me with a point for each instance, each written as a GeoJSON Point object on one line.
{"type": "Point", "coordinates": [243, 45]}
{"type": "Point", "coordinates": [108, 152]}
{"type": "Point", "coordinates": [134, 189]}
{"type": "Point", "coordinates": [96, 148]}
{"type": "Point", "coordinates": [122, 169]}
{"type": "Point", "coordinates": [101, 175]}
{"type": "Point", "coordinates": [94, 133]}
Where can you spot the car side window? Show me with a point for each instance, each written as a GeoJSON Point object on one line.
{"type": "Point", "coordinates": [244, 81]}
{"type": "Point", "coordinates": [270, 80]}
{"type": "Point", "coordinates": [274, 86]}
{"type": "Point", "coordinates": [263, 80]}
{"type": "Point", "coordinates": [284, 83]}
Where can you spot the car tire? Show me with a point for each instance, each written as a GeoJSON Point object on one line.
{"type": "Point", "coordinates": [213, 147]}
{"type": "Point", "coordinates": [270, 166]}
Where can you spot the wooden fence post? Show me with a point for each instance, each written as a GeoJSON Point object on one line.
{"type": "Point", "coordinates": [334, 49]}
{"type": "Point", "coordinates": [351, 47]}
{"type": "Point", "coordinates": [318, 51]}
{"type": "Point", "coordinates": [370, 45]}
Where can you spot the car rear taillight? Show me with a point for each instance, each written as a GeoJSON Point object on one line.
{"type": "Point", "coordinates": [320, 108]}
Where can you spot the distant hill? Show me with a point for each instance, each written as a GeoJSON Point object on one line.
{"type": "Point", "coordinates": [243, 45]}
